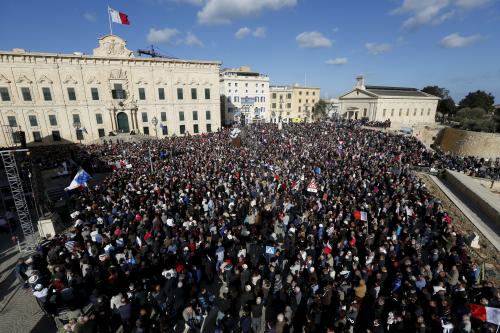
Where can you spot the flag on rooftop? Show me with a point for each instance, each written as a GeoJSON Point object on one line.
{"type": "Point", "coordinates": [118, 17]}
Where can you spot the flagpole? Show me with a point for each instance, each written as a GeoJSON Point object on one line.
{"type": "Point", "coordinates": [109, 19]}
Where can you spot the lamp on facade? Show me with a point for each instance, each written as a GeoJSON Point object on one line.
{"type": "Point", "coordinates": [154, 121]}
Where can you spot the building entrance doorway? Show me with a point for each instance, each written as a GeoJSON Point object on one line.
{"type": "Point", "coordinates": [122, 121]}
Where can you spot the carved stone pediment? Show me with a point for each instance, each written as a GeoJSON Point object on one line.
{"type": "Point", "coordinates": [93, 80]}
{"type": "Point", "coordinates": [118, 74]}
{"type": "Point", "coordinates": [44, 79]}
{"type": "Point", "coordinates": [23, 78]}
{"type": "Point", "coordinates": [69, 80]}
{"type": "Point", "coordinates": [4, 79]}
{"type": "Point", "coordinates": [112, 46]}
{"type": "Point", "coordinates": [141, 81]}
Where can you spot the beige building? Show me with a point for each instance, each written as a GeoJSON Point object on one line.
{"type": "Point", "coordinates": [244, 96]}
{"type": "Point", "coordinates": [70, 97]}
{"type": "Point", "coordinates": [402, 106]}
{"type": "Point", "coordinates": [293, 103]}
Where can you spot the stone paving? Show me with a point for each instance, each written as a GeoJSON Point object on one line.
{"type": "Point", "coordinates": [19, 311]}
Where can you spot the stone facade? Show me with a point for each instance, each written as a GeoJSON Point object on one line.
{"type": "Point", "coordinates": [76, 97]}
{"type": "Point", "coordinates": [244, 96]}
{"type": "Point", "coordinates": [293, 103]}
{"type": "Point", "coordinates": [403, 106]}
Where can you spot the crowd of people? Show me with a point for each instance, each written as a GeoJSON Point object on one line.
{"type": "Point", "coordinates": [313, 228]}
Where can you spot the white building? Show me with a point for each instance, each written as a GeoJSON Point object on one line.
{"type": "Point", "coordinates": [244, 96]}
{"type": "Point", "coordinates": [54, 97]}
{"type": "Point", "coordinates": [402, 106]}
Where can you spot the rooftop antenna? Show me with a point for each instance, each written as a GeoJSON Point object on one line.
{"type": "Point", "coordinates": [152, 53]}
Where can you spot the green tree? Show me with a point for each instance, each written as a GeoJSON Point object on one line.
{"type": "Point", "coordinates": [446, 105]}
{"type": "Point", "coordinates": [320, 110]}
{"type": "Point", "coordinates": [496, 118]}
{"type": "Point", "coordinates": [471, 113]}
{"type": "Point", "coordinates": [479, 99]}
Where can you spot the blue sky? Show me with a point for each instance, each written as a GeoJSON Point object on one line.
{"type": "Point", "coordinates": [451, 43]}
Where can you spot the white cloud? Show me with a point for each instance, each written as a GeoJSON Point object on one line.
{"type": "Point", "coordinates": [312, 39]}
{"type": "Point", "coordinates": [433, 12]}
{"type": "Point", "coordinates": [190, 2]}
{"type": "Point", "coordinates": [192, 40]}
{"type": "Point", "coordinates": [89, 16]}
{"type": "Point", "coordinates": [260, 32]}
{"type": "Point", "coordinates": [226, 11]}
{"type": "Point", "coordinates": [378, 48]}
{"type": "Point", "coordinates": [455, 40]}
{"type": "Point", "coordinates": [242, 32]}
{"type": "Point", "coordinates": [472, 3]}
{"type": "Point", "coordinates": [336, 61]}
{"type": "Point", "coordinates": [424, 12]}
{"type": "Point", "coordinates": [161, 35]}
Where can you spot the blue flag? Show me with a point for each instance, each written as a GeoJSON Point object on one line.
{"type": "Point", "coordinates": [80, 180]}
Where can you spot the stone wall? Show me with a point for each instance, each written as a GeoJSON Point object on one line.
{"type": "Point", "coordinates": [468, 143]}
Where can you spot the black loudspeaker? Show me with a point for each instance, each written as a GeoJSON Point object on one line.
{"type": "Point", "coordinates": [22, 139]}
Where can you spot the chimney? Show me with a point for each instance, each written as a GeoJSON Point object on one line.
{"type": "Point", "coordinates": [360, 82]}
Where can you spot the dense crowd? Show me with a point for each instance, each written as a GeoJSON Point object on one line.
{"type": "Point", "coordinates": [312, 228]}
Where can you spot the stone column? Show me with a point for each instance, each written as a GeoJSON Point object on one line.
{"type": "Point", "coordinates": [132, 120]}
{"type": "Point", "coordinates": [112, 118]}
{"type": "Point", "coordinates": [135, 119]}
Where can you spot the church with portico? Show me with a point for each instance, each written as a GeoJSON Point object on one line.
{"type": "Point", "coordinates": [402, 106]}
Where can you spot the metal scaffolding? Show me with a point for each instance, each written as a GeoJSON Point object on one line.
{"type": "Point", "coordinates": [16, 187]}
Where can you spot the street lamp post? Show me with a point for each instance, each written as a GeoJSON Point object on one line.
{"type": "Point", "coordinates": [306, 106]}
{"type": "Point", "coordinates": [77, 125]}
{"type": "Point", "coordinates": [154, 121]}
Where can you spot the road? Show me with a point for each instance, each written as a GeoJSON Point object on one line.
{"type": "Point", "coordinates": [19, 311]}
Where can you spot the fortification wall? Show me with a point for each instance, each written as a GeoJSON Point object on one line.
{"type": "Point", "coordinates": [468, 143]}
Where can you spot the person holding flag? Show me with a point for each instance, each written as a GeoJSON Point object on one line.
{"type": "Point", "coordinates": [79, 181]}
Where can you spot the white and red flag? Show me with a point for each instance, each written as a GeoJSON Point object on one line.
{"type": "Point", "coordinates": [485, 313]}
{"type": "Point", "coordinates": [118, 17]}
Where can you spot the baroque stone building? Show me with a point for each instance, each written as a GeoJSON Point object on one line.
{"type": "Point", "coordinates": [402, 106]}
{"type": "Point", "coordinates": [293, 103]}
{"type": "Point", "coordinates": [77, 97]}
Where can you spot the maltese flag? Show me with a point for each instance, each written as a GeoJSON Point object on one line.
{"type": "Point", "coordinates": [485, 313]}
{"type": "Point", "coordinates": [118, 17]}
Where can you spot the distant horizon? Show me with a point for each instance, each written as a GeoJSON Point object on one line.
{"type": "Point", "coordinates": [391, 42]}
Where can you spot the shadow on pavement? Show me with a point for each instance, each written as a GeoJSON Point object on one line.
{"type": "Point", "coordinates": [44, 325]}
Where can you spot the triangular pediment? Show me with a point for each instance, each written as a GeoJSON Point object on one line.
{"type": "Point", "coordinates": [4, 79]}
{"type": "Point", "coordinates": [23, 78]}
{"type": "Point", "coordinates": [358, 93]}
{"type": "Point", "coordinates": [93, 80]}
{"type": "Point", "coordinates": [160, 82]}
{"type": "Point", "coordinates": [44, 79]}
{"type": "Point", "coordinates": [141, 81]}
{"type": "Point", "coordinates": [69, 80]}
